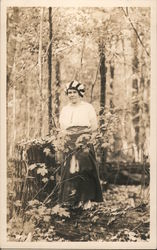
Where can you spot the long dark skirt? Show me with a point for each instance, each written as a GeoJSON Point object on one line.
{"type": "Point", "coordinates": [79, 177]}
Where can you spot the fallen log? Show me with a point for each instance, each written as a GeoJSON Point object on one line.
{"type": "Point", "coordinates": [127, 173]}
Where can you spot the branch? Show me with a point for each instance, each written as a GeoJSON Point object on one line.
{"type": "Point", "coordinates": [118, 55]}
{"type": "Point", "coordinates": [126, 14]}
{"type": "Point", "coordinates": [53, 14]}
{"type": "Point", "coordinates": [30, 68]}
{"type": "Point", "coordinates": [93, 84]}
{"type": "Point", "coordinates": [65, 48]}
{"type": "Point", "coordinates": [82, 52]}
{"type": "Point", "coordinates": [37, 194]}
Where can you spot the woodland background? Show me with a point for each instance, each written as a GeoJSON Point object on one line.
{"type": "Point", "coordinates": [107, 49]}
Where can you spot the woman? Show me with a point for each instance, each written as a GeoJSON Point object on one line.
{"type": "Point", "coordinates": [79, 177]}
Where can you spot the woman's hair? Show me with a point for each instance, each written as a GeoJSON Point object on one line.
{"type": "Point", "coordinates": [79, 87]}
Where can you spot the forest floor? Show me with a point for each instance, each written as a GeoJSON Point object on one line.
{"type": "Point", "coordinates": [122, 216]}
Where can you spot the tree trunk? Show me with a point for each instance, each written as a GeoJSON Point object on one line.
{"type": "Point", "coordinates": [14, 120]}
{"type": "Point", "coordinates": [103, 82]}
{"type": "Point", "coordinates": [103, 169]}
{"type": "Point", "coordinates": [11, 44]}
{"type": "Point", "coordinates": [135, 98]}
{"type": "Point", "coordinates": [111, 86]}
{"type": "Point", "coordinates": [28, 106]}
{"type": "Point", "coordinates": [57, 101]}
{"type": "Point", "coordinates": [94, 82]}
{"type": "Point", "coordinates": [81, 60]}
{"type": "Point", "coordinates": [50, 72]}
{"type": "Point", "coordinates": [11, 51]}
{"type": "Point", "coordinates": [40, 73]}
{"type": "Point", "coordinates": [126, 116]}
{"type": "Point", "coordinates": [144, 109]}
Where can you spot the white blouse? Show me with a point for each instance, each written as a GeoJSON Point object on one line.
{"type": "Point", "coordinates": [81, 114]}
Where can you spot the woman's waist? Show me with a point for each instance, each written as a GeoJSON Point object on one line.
{"type": "Point", "coordinates": [76, 134]}
{"type": "Point", "coordinates": [77, 130]}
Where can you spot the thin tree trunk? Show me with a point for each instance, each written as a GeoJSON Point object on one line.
{"type": "Point", "coordinates": [111, 86]}
{"type": "Point", "coordinates": [50, 72]}
{"type": "Point", "coordinates": [57, 101]}
{"type": "Point", "coordinates": [81, 60]}
{"type": "Point", "coordinates": [94, 82]}
{"type": "Point", "coordinates": [40, 73]}
{"type": "Point", "coordinates": [103, 83]}
{"type": "Point", "coordinates": [126, 116]}
{"type": "Point", "coordinates": [103, 169]}
{"type": "Point", "coordinates": [117, 136]}
{"type": "Point", "coordinates": [135, 97]}
{"type": "Point", "coordinates": [11, 44]}
{"type": "Point", "coordinates": [144, 110]}
{"type": "Point", "coordinates": [14, 119]}
{"type": "Point", "coordinates": [28, 106]}
{"type": "Point", "coordinates": [11, 51]}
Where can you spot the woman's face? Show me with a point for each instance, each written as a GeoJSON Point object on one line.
{"type": "Point", "coordinates": [73, 96]}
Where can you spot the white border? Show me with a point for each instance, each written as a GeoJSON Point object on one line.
{"type": "Point", "coordinates": [78, 3]}
{"type": "Point", "coordinates": [153, 147]}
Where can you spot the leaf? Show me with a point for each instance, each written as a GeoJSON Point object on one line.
{"type": "Point", "coordinates": [73, 192]}
{"type": "Point", "coordinates": [111, 220]}
{"type": "Point", "coordinates": [45, 180]}
{"type": "Point", "coordinates": [32, 166]}
{"type": "Point", "coordinates": [52, 178]}
{"type": "Point", "coordinates": [18, 237]}
{"type": "Point", "coordinates": [87, 205]}
{"type": "Point", "coordinates": [42, 171]}
{"type": "Point", "coordinates": [41, 210]}
{"type": "Point", "coordinates": [47, 151]}
{"type": "Point", "coordinates": [95, 218]}
{"type": "Point", "coordinates": [18, 203]}
{"type": "Point", "coordinates": [29, 237]}
{"type": "Point", "coordinates": [33, 202]}
{"type": "Point", "coordinates": [60, 211]}
{"type": "Point", "coordinates": [66, 150]}
{"type": "Point", "coordinates": [51, 229]}
{"type": "Point", "coordinates": [47, 218]}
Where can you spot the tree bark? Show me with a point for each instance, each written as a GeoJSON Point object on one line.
{"type": "Point", "coordinates": [40, 73]}
{"type": "Point", "coordinates": [50, 72]}
{"type": "Point", "coordinates": [11, 51]}
{"type": "Point", "coordinates": [14, 119]}
{"type": "Point", "coordinates": [11, 44]}
{"type": "Point", "coordinates": [111, 86]}
{"type": "Point", "coordinates": [57, 101]}
{"type": "Point", "coordinates": [94, 82]}
{"type": "Point", "coordinates": [28, 106]}
{"type": "Point", "coordinates": [135, 98]}
{"type": "Point", "coordinates": [103, 81]}
{"type": "Point", "coordinates": [103, 71]}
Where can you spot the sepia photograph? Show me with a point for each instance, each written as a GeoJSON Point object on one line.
{"type": "Point", "coordinates": [76, 124]}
